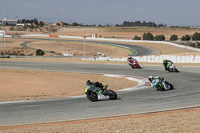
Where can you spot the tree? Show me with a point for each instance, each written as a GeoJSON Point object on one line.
{"type": "Point", "coordinates": [185, 38]}
{"type": "Point", "coordinates": [139, 23]}
{"type": "Point", "coordinates": [65, 24]}
{"type": "Point", "coordinates": [41, 23]}
{"type": "Point", "coordinates": [136, 37]}
{"type": "Point", "coordinates": [39, 52]}
{"type": "Point", "coordinates": [174, 38]}
{"type": "Point", "coordinates": [160, 38]}
{"type": "Point", "coordinates": [148, 36]}
{"type": "Point", "coordinates": [196, 36]}
{"type": "Point", "coordinates": [161, 25]}
{"type": "Point", "coordinates": [74, 24]}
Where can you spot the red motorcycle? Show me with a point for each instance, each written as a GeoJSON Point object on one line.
{"type": "Point", "coordinates": [134, 63]}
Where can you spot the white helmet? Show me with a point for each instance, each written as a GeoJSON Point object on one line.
{"type": "Point", "coordinates": [150, 78]}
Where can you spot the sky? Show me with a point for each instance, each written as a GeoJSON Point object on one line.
{"type": "Point", "coordinates": [112, 12]}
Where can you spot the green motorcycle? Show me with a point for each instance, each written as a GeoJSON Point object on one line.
{"type": "Point", "coordinates": [171, 67]}
{"type": "Point", "coordinates": [93, 93]}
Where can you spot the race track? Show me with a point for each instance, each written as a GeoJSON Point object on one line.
{"type": "Point", "coordinates": [139, 49]}
{"type": "Point", "coordinates": [186, 94]}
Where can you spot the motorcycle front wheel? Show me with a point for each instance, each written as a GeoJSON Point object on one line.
{"type": "Point", "coordinates": [139, 66]}
{"type": "Point", "coordinates": [92, 96]}
{"type": "Point", "coordinates": [171, 86]}
{"type": "Point", "coordinates": [112, 95]}
{"type": "Point", "coordinates": [176, 70]}
{"type": "Point", "coordinates": [160, 87]}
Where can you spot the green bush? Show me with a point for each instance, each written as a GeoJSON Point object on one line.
{"type": "Point", "coordinates": [39, 52]}
{"type": "Point", "coordinates": [148, 36]}
{"type": "Point", "coordinates": [160, 38]}
{"type": "Point", "coordinates": [185, 38]}
{"type": "Point", "coordinates": [136, 38]}
{"type": "Point", "coordinates": [196, 36]}
{"type": "Point", "coordinates": [12, 28]}
{"type": "Point", "coordinates": [193, 45]}
{"type": "Point", "coordinates": [198, 44]}
{"type": "Point", "coordinates": [174, 38]}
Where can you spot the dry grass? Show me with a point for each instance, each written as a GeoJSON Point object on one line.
{"type": "Point", "coordinates": [21, 85]}
{"type": "Point", "coordinates": [125, 33]}
{"type": "Point", "coordinates": [13, 46]}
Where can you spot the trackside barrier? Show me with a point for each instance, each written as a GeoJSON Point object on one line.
{"type": "Point", "coordinates": [35, 35]}
{"type": "Point", "coordinates": [54, 36]}
{"type": "Point", "coordinates": [153, 58]}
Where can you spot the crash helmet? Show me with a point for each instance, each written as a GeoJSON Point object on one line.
{"type": "Point", "coordinates": [164, 59]}
{"type": "Point", "coordinates": [150, 78]}
{"type": "Point", "coordinates": [161, 78]}
{"type": "Point", "coordinates": [87, 82]}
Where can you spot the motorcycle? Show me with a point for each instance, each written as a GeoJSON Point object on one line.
{"type": "Point", "coordinates": [134, 64]}
{"type": "Point", "coordinates": [94, 93]}
{"type": "Point", "coordinates": [171, 67]}
{"type": "Point", "coordinates": [162, 85]}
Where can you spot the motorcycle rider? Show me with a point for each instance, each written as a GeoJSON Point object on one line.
{"type": "Point", "coordinates": [129, 59]}
{"type": "Point", "coordinates": [166, 64]}
{"type": "Point", "coordinates": [90, 84]}
{"type": "Point", "coordinates": [155, 80]}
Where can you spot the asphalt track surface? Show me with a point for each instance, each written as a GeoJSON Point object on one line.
{"type": "Point", "coordinates": [186, 94]}
{"type": "Point", "coordinates": [144, 99]}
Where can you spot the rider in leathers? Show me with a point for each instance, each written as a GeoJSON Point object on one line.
{"type": "Point", "coordinates": [165, 64]}
{"type": "Point", "coordinates": [129, 59]}
{"type": "Point", "coordinates": [90, 85]}
{"type": "Point", "coordinates": [155, 80]}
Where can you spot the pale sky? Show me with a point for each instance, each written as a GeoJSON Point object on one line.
{"type": "Point", "coordinates": [170, 12]}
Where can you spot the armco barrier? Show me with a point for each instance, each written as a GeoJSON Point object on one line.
{"type": "Point", "coordinates": [154, 58]}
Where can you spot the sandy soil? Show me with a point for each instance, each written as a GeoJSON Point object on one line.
{"type": "Point", "coordinates": [170, 121]}
{"type": "Point", "coordinates": [78, 48]}
{"type": "Point", "coordinates": [125, 33]}
{"type": "Point", "coordinates": [166, 49]}
{"type": "Point", "coordinates": [20, 85]}
{"type": "Point", "coordinates": [12, 45]}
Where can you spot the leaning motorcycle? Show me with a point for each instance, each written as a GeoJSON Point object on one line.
{"type": "Point", "coordinates": [171, 67]}
{"type": "Point", "coordinates": [161, 84]}
{"type": "Point", "coordinates": [164, 86]}
{"type": "Point", "coordinates": [93, 93]}
{"type": "Point", "coordinates": [134, 64]}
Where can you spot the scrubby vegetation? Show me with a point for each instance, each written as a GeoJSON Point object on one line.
{"type": "Point", "coordinates": [39, 52]}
